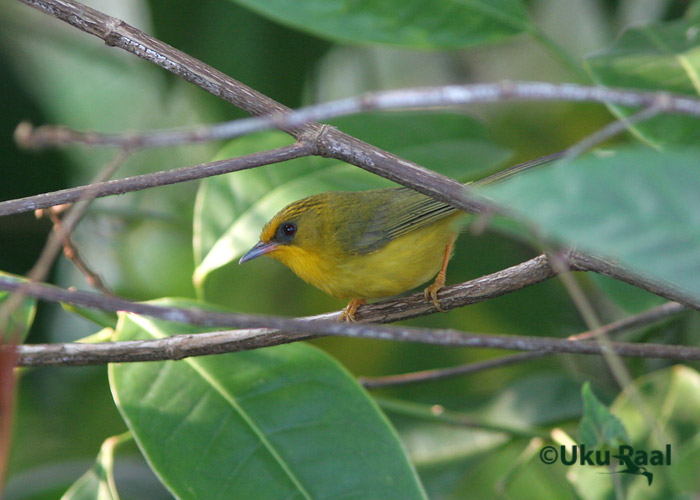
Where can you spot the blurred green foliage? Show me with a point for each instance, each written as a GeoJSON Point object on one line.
{"type": "Point", "coordinates": [142, 243]}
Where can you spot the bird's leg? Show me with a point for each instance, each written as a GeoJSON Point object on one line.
{"type": "Point", "coordinates": [348, 313]}
{"type": "Point", "coordinates": [432, 290]}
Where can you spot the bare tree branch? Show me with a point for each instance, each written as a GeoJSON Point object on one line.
{"type": "Point", "coordinates": [163, 178]}
{"type": "Point", "coordinates": [117, 33]}
{"type": "Point", "coordinates": [642, 319]}
{"type": "Point", "coordinates": [72, 253]}
{"type": "Point", "coordinates": [581, 262]}
{"type": "Point", "coordinates": [181, 346]}
{"type": "Point", "coordinates": [289, 330]}
{"type": "Point", "coordinates": [427, 97]}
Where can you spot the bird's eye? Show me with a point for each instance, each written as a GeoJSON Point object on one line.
{"type": "Point", "coordinates": [289, 229]}
{"type": "Point", "coordinates": [285, 233]}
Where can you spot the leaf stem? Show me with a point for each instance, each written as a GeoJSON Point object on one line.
{"type": "Point", "coordinates": [440, 414]}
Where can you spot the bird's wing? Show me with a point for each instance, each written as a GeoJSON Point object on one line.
{"type": "Point", "coordinates": [393, 216]}
{"type": "Point", "coordinates": [414, 211]}
{"type": "Point", "coordinates": [393, 212]}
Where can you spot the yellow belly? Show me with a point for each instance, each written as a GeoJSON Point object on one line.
{"type": "Point", "coordinates": [403, 264]}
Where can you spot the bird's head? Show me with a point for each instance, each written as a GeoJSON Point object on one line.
{"type": "Point", "coordinates": [294, 236]}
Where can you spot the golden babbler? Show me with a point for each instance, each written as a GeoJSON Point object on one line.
{"type": "Point", "coordinates": [368, 244]}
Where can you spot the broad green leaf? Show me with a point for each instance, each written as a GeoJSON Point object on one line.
{"type": "Point", "coordinates": [428, 24]}
{"type": "Point", "coordinates": [21, 318]}
{"type": "Point", "coordinates": [283, 422]}
{"type": "Point", "coordinates": [663, 57]}
{"type": "Point", "coordinates": [232, 209]}
{"type": "Point", "coordinates": [98, 482]}
{"type": "Point", "coordinates": [598, 426]}
{"type": "Point", "coordinates": [636, 206]}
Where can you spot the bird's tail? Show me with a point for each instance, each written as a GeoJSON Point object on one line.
{"type": "Point", "coordinates": [517, 169]}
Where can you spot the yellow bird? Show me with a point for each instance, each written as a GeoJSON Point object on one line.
{"type": "Point", "coordinates": [368, 244]}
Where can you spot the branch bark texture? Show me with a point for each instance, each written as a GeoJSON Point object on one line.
{"type": "Point", "coordinates": [263, 331]}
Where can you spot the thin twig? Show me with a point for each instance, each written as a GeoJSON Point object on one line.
{"type": "Point", "coordinates": [584, 262]}
{"type": "Point", "coordinates": [116, 33]}
{"type": "Point", "coordinates": [400, 99]}
{"type": "Point", "coordinates": [71, 253]}
{"type": "Point", "coordinates": [610, 130]}
{"type": "Point", "coordinates": [438, 413]}
{"type": "Point", "coordinates": [163, 178]}
{"type": "Point", "coordinates": [55, 241]}
{"type": "Point", "coordinates": [58, 135]}
{"type": "Point", "coordinates": [645, 318]}
{"type": "Point", "coordinates": [181, 346]}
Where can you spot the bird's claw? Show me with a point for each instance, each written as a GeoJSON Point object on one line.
{"type": "Point", "coordinates": [348, 314]}
{"type": "Point", "coordinates": [432, 291]}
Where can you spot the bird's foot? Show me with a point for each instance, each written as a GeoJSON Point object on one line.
{"type": "Point", "coordinates": [348, 313]}
{"type": "Point", "coordinates": [432, 291]}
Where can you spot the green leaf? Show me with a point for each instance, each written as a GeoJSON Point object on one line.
{"type": "Point", "coordinates": [664, 57]}
{"type": "Point", "coordinates": [232, 209]}
{"type": "Point", "coordinates": [79, 85]}
{"type": "Point", "coordinates": [443, 453]}
{"type": "Point", "coordinates": [671, 397]}
{"type": "Point", "coordinates": [512, 471]}
{"type": "Point", "coordinates": [636, 206]}
{"type": "Point", "coordinates": [598, 426]}
{"type": "Point", "coordinates": [535, 400]}
{"type": "Point", "coordinates": [98, 482]}
{"type": "Point", "coordinates": [100, 318]}
{"type": "Point", "coordinates": [21, 319]}
{"type": "Point", "coordinates": [104, 335]}
{"type": "Point", "coordinates": [427, 24]}
{"type": "Point", "coordinates": [281, 422]}
{"type": "Point", "coordinates": [693, 11]}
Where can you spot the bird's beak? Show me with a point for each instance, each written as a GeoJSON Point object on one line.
{"type": "Point", "coordinates": [259, 249]}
